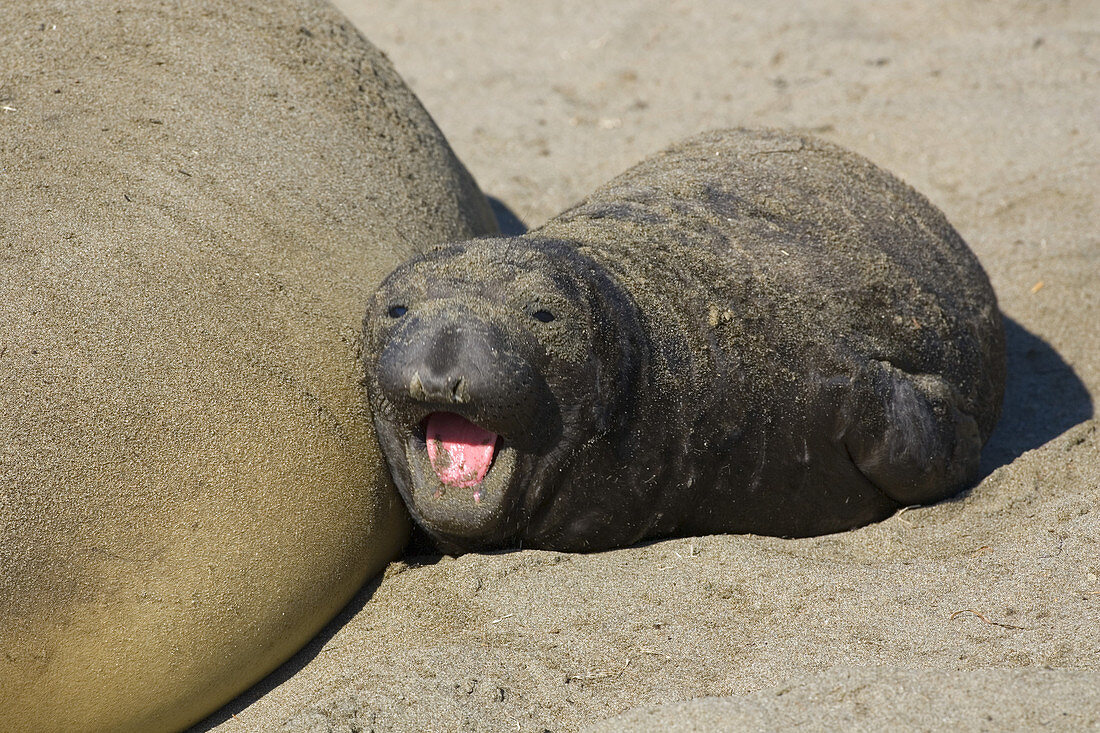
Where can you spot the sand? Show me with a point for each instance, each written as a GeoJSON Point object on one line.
{"type": "Point", "coordinates": [950, 614]}
{"type": "Point", "coordinates": [866, 699]}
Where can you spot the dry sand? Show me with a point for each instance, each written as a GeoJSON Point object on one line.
{"type": "Point", "coordinates": [870, 699]}
{"type": "Point", "coordinates": [945, 615]}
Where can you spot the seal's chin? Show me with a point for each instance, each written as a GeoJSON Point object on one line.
{"type": "Point", "coordinates": [460, 478]}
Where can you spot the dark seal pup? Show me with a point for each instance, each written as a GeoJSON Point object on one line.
{"type": "Point", "coordinates": [753, 331]}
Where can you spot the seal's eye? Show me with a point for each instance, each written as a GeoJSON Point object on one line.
{"type": "Point", "coordinates": [543, 315]}
{"type": "Point", "coordinates": [396, 311]}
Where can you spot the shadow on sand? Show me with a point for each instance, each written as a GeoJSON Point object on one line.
{"type": "Point", "coordinates": [510, 224]}
{"type": "Point", "coordinates": [1043, 399]}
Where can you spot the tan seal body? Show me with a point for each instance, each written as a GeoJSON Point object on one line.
{"type": "Point", "coordinates": [193, 199]}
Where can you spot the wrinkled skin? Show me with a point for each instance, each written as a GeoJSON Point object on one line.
{"type": "Point", "coordinates": [749, 332]}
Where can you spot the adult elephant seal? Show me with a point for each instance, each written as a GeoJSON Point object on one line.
{"type": "Point", "coordinates": [193, 198]}
{"type": "Point", "coordinates": [749, 332]}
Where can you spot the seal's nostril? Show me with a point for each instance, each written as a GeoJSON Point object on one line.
{"type": "Point", "coordinates": [416, 387]}
{"type": "Point", "coordinates": [459, 392]}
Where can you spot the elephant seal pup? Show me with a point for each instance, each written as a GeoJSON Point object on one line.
{"type": "Point", "coordinates": [753, 331]}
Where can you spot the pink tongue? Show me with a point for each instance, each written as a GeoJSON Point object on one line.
{"type": "Point", "coordinates": [460, 451]}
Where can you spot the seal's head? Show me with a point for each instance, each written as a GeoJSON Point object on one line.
{"type": "Point", "coordinates": [489, 364]}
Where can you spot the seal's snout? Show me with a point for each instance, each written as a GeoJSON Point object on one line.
{"type": "Point", "coordinates": [440, 364]}
{"type": "Point", "coordinates": [451, 359]}
{"type": "Point", "coordinates": [443, 365]}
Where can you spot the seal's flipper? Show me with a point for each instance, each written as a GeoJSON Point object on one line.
{"type": "Point", "coordinates": [909, 436]}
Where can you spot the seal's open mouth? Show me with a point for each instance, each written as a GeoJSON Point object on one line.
{"type": "Point", "coordinates": [461, 453]}
{"type": "Point", "coordinates": [456, 477]}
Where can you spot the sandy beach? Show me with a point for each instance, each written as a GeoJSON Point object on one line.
{"type": "Point", "coordinates": [982, 612]}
